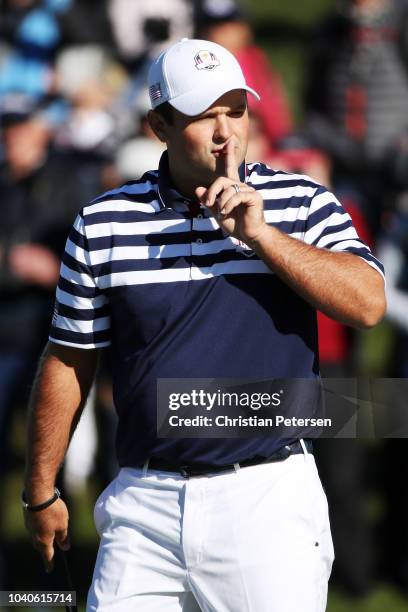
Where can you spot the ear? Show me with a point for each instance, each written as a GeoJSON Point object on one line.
{"type": "Point", "coordinates": [158, 125]}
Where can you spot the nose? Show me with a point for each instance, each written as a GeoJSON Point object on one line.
{"type": "Point", "coordinates": [222, 128]}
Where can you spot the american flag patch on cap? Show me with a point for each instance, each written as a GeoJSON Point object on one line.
{"type": "Point", "coordinates": [155, 92]}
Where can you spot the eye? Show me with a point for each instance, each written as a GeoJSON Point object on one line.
{"type": "Point", "coordinates": [237, 113]}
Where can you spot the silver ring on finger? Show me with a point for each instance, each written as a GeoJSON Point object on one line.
{"type": "Point", "coordinates": [237, 188]}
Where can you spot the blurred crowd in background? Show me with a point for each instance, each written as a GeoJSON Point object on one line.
{"type": "Point", "coordinates": [73, 104]}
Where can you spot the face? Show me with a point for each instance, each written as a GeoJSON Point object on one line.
{"type": "Point", "coordinates": [194, 144]}
{"type": "Point", "coordinates": [26, 145]}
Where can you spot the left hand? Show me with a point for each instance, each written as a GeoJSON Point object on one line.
{"type": "Point", "coordinates": [241, 213]}
{"type": "Point", "coordinates": [47, 528]}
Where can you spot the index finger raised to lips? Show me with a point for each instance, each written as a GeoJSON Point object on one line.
{"type": "Point", "coordinates": [230, 161]}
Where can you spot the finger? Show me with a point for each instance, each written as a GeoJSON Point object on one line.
{"type": "Point", "coordinates": [231, 191]}
{"type": "Point", "coordinates": [243, 197]}
{"type": "Point", "coordinates": [62, 539]}
{"type": "Point", "coordinates": [229, 206]}
{"type": "Point", "coordinates": [201, 194]}
{"type": "Point", "coordinates": [230, 161]}
{"type": "Point", "coordinates": [46, 550]}
{"type": "Point", "coordinates": [216, 189]}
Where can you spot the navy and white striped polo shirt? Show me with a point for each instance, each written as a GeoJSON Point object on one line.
{"type": "Point", "coordinates": [176, 297]}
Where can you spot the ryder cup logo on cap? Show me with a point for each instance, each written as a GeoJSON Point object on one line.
{"type": "Point", "coordinates": [205, 60]}
{"type": "Point", "coordinates": [192, 74]}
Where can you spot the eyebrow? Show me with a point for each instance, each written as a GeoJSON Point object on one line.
{"type": "Point", "coordinates": [237, 109]}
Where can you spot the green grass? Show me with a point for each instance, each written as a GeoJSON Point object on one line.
{"type": "Point", "coordinates": [287, 59]}
{"type": "Point", "coordinates": [287, 52]}
{"type": "Point", "coordinates": [304, 12]}
{"type": "Point", "coordinates": [383, 599]}
{"type": "Point", "coordinates": [375, 349]}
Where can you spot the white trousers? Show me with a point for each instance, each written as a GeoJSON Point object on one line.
{"type": "Point", "coordinates": [252, 540]}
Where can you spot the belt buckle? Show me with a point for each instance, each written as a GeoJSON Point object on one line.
{"type": "Point", "coordinates": [281, 455]}
{"type": "Point", "coordinates": [286, 451]}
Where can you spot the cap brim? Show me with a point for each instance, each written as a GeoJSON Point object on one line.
{"type": "Point", "coordinates": [191, 104]}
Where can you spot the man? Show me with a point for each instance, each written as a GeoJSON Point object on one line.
{"type": "Point", "coordinates": [191, 272]}
{"type": "Point", "coordinates": [355, 97]}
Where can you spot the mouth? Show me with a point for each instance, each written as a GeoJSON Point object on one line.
{"type": "Point", "coordinates": [221, 150]}
{"type": "Point", "coordinates": [218, 152]}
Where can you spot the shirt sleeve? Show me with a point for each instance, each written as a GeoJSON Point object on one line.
{"type": "Point", "coordinates": [329, 226]}
{"type": "Point", "coordinates": [81, 314]}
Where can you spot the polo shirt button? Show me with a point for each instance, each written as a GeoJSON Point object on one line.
{"type": "Point", "coordinates": [199, 241]}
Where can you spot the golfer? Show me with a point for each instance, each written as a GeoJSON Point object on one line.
{"type": "Point", "coordinates": [206, 267]}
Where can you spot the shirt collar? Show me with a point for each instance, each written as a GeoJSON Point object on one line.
{"type": "Point", "coordinates": [169, 197]}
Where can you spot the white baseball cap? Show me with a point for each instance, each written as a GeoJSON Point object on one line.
{"type": "Point", "coordinates": [192, 74]}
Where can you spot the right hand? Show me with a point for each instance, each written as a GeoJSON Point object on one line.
{"type": "Point", "coordinates": [240, 214]}
{"type": "Point", "coordinates": [46, 527]}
